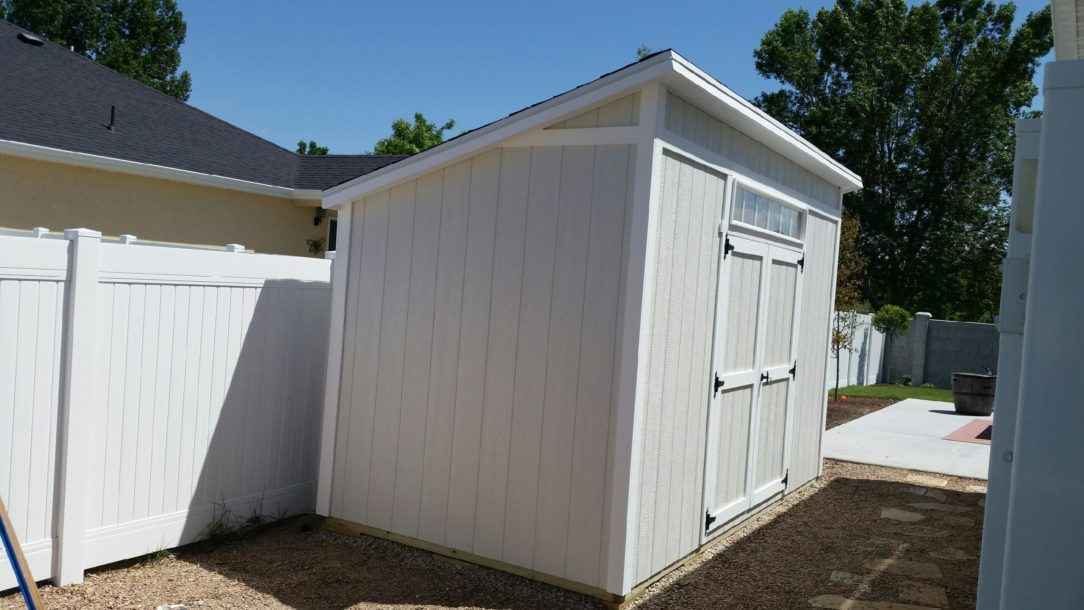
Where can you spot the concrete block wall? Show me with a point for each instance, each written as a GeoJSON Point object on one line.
{"type": "Point", "coordinates": [932, 350]}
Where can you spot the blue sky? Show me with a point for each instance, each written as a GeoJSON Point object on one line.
{"type": "Point", "coordinates": [340, 73]}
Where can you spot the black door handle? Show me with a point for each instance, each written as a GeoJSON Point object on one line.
{"type": "Point", "coordinates": [764, 377]}
{"type": "Point", "coordinates": [716, 385]}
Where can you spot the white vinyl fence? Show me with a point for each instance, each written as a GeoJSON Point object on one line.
{"type": "Point", "coordinates": [861, 365]}
{"type": "Point", "coordinates": [146, 390]}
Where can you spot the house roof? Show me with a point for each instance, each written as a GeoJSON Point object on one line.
{"type": "Point", "coordinates": [58, 99]}
{"type": "Point", "coordinates": [666, 66]}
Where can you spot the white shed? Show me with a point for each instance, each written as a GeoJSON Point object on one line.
{"type": "Point", "coordinates": [580, 342]}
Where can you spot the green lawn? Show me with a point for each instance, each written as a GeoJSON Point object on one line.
{"type": "Point", "coordinates": [895, 392]}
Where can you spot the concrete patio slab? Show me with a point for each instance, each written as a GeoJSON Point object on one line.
{"type": "Point", "coordinates": [910, 434]}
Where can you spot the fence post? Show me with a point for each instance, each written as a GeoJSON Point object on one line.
{"type": "Point", "coordinates": [919, 329]}
{"type": "Point", "coordinates": [333, 374]}
{"type": "Point", "coordinates": [77, 391]}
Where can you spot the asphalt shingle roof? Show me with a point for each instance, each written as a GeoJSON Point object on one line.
{"type": "Point", "coordinates": [52, 97]}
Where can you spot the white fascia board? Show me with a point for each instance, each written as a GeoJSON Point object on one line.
{"type": "Point", "coordinates": [150, 170]}
{"type": "Point", "coordinates": [715, 97]}
{"type": "Point", "coordinates": [539, 115]}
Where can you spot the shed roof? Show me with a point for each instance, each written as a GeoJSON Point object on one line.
{"type": "Point", "coordinates": [55, 98]}
{"type": "Point", "coordinates": [667, 66]}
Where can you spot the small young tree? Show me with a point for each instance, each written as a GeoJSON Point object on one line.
{"type": "Point", "coordinates": [844, 326]}
{"type": "Point", "coordinates": [891, 320]}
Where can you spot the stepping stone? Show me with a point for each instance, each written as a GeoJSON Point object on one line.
{"type": "Point", "coordinates": [950, 554]}
{"type": "Point", "coordinates": [851, 580]}
{"type": "Point", "coordinates": [902, 567]}
{"type": "Point", "coordinates": [922, 593]}
{"type": "Point", "coordinates": [919, 531]}
{"type": "Point", "coordinates": [927, 480]}
{"type": "Point", "coordinates": [897, 514]}
{"type": "Point", "coordinates": [979, 489]}
{"type": "Point", "coordinates": [838, 602]}
{"type": "Point", "coordinates": [936, 494]}
{"type": "Point", "coordinates": [945, 508]}
{"type": "Point", "coordinates": [954, 520]}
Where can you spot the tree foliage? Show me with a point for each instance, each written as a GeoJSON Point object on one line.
{"type": "Point", "coordinates": [892, 320]}
{"type": "Point", "coordinates": [310, 148]}
{"type": "Point", "coordinates": [643, 51]}
{"type": "Point", "coordinates": [851, 274]}
{"type": "Point", "coordinates": [139, 38]}
{"type": "Point", "coordinates": [920, 100]}
{"type": "Point", "coordinates": [844, 327]}
{"type": "Point", "coordinates": [409, 139]}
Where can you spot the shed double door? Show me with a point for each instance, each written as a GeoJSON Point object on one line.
{"type": "Point", "coordinates": [753, 363]}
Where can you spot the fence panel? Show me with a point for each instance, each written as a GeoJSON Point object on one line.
{"type": "Point", "coordinates": [207, 374]}
{"type": "Point", "coordinates": [32, 279]}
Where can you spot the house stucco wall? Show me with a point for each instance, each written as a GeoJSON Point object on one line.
{"type": "Point", "coordinates": [42, 194]}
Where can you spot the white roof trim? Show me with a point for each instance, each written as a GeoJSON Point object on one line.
{"type": "Point", "coordinates": [667, 66]}
{"type": "Point", "coordinates": [149, 170]}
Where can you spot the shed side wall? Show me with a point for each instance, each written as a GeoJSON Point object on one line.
{"type": "Point", "coordinates": [479, 355]}
{"type": "Point", "coordinates": [689, 207]}
{"type": "Point", "coordinates": [816, 310]}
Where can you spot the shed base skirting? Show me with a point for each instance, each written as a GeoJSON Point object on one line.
{"type": "Point", "coordinates": [612, 600]}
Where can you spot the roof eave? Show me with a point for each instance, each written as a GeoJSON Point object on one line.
{"type": "Point", "coordinates": [150, 170]}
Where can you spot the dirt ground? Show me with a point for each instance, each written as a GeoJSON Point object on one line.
{"type": "Point", "coordinates": [827, 539]}
{"type": "Point", "coordinates": [842, 411]}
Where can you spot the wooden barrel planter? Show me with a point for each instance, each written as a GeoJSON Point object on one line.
{"type": "Point", "coordinates": [973, 393]}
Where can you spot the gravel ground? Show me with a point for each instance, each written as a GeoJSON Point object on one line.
{"type": "Point", "coordinates": [781, 558]}
{"type": "Point", "coordinates": [844, 410]}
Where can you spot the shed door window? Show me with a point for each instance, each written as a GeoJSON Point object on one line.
{"type": "Point", "coordinates": [766, 213]}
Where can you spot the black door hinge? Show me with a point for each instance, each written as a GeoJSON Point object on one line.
{"type": "Point", "coordinates": [793, 370]}
{"type": "Point", "coordinates": [708, 520]}
{"type": "Point", "coordinates": [764, 377]}
{"type": "Point", "coordinates": [727, 246]}
{"type": "Point", "coordinates": [801, 262]}
{"type": "Point", "coordinates": [786, 478]}
{"type": "Point", "coordinates": [715, 385]}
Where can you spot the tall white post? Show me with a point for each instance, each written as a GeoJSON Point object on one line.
{"type": "Point", "coordinates": [77, 392]}
{"type": "Point", "coordinates": [340, 278]}
{"type": "Point", "coordinates": [1014, 286]}
{"type": "Point", "coordinates": [1045, 525]}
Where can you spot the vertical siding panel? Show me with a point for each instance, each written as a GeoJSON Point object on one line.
{"type": "Point", "coordinates": [446, 331]}
{"type": "Point", "coordinates": [531, 354]}
{"type": "Point", "coordinates": [171, 478]}
{"type": "Point", "coordinates": [501, 353]}
{"type": "Point", "coordinates": [22, 406]}
{"type": "Point", "coordinates": [597, 349]}
{"type": "Point", "coordinates": [700, 371]}
{"type": "Point", "coordinates": [99, 420]}
{"type": "Point", "coordinates": [389, 383]}
{"type": "Point", "coordinates": [370, 278]}
{"type": "Point", "coordinates": [562, 367]}
{"type": "Point", "coordinates": [353, 306]}
{"type": "Point", "coordinates": [45, 372]}
{"type": "Point", "coordinates": [146, 405]}
{"type": "Point", "coordinates": [474, 330]}
{"type": "Point", "coordinates": [160, 405]}
{"type": "Point", "coordinates": [9, 334]}
{"type": "Point", "coordinates": [671, 396]}
{"type": "Point", "coordinates": [419, 342]}
{"type": "Point", "coordinates": [686, 358]}
{"type": "Point", "coordinates": [667, 210]}
{"type": "Point", "coordinates": [132, 353]}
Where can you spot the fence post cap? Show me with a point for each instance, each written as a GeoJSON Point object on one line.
{"type": "Point", "coordinates": [329, 255]}
{"type": "Point", "coordinates": [923, 314]}
{"type": "Point", "coordinates": [39, 231]}
{"type": "Point", "coordinates": [127, 238]}
{"type": "Point", "coordinates": [76, 233]}
{"type": "Point", "coordinates": [235, 247]}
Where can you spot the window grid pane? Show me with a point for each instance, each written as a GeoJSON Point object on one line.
{"type": "Point", "coordinates": [767, 213]}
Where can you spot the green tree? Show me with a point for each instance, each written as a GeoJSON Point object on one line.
{"type": "Point", "coordinates": [920, 100]}
{"type": "Point", "coordinates": [851, 273]}
{"type": "Point", "coordinates": [408, 139]}
{"type": "Point", "coordinates": [643, 51]}
{"type": "Point", "coordinates": [310, 148]}
{"type": "Point", "coordinates": [139, 38]}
